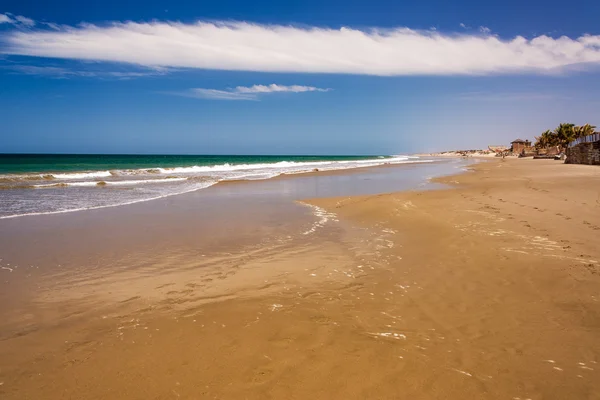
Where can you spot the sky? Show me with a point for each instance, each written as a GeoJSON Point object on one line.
{"type": "Point", "coordinates": [292, 77]}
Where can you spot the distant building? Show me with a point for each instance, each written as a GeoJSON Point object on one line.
{"type": "Point", "coordinates": [519, 146]}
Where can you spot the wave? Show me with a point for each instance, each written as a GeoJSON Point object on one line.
{"type": "Point", "coordinates": [278, 165]}
{"type": "Point", "coordinates": [144, 181]}
{"type": "Point", "coordinates": [21, 178]}
{"type": "Point", "coordinates": [143, 184]}
{"type": "Point", "coordinates": [198, 172]}
{"type": "Point", "coordinates": [110, 183]}
{"type": "Point", "coordinates": [225, 171]}
{"type": "Point", "coordinates": [53, 176]}
{"type": "Point", "coordinates": [188, 190]}
{"type": "Point", "coordinates": [235, 167]}
{"type": "Point", "coordinates": [219, 168]}
{"type": "Point", "coordinates": [83, 175]}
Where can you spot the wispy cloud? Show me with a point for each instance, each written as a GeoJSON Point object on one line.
{"type": "Point", "coordinates": [64, 73]}
{"type": "Point", "coordinates": [25, 21]}
{"type": "Point", "coordinates": [246, 92]}
{"type": "Point", "coordinates": [278, 48]}
{"type": "Point", "coordinates": [43, 71]}
{"type": "Point", "coordinates": [273, 88]}
{"type": "Point", "coordinates": [215, 94]}
{"type": "Point", "coordinates": [9, 18]}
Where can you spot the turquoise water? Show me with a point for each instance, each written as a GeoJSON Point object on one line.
{"type": "Point", "coordinates": [42, 163]}
{"type": "Point", "coordinates": [32, 184]}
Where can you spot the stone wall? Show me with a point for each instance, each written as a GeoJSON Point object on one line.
{"type": "Point", "coordinates": [584, 153]}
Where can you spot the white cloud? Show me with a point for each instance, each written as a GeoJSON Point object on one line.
{"type": "Point", "coordinates": [247, 92]}
{"type": "Point", "coordinates": [5, 19]}
{"type": "Point", "coordinates": [462, 25]}
{"type": "Point", "coordinates": [9, 18]}
{"type": "Point", "coordinates": [278, 88]}
{"type": "Point", "coordinates": [25, 21]}
{"type": "Point", "coordinates": [216, 94]}
{"type": "Point", "coordinates": [62, 73]}
{"type": "Point", "coordinates": [44, 71]}
{"type": "Point", "coordinates": [275, 48]}
{"type": "Point", "coordinates": [52, 25]}
{"type": "Point", "coordinates": [485, 30]}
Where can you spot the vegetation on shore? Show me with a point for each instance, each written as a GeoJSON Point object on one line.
{"type": "Point", "coordinates": [564, 134]}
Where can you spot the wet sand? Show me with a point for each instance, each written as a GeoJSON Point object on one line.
{"type": "Point", "coordinates": [485, 290]}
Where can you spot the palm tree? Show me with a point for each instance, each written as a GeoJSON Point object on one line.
{"type": "Point", "coordinates": [584, 130]}
{"type": "Point", "coordinates": [565, 134]}
{"type": "Point", "coordinates": [547, 139]}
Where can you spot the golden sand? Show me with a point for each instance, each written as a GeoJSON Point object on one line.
{"type": "Point", "coordinates": [486, 290]}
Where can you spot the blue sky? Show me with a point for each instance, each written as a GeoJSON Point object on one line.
{"type": "Point", "coordinates": [294, 77]}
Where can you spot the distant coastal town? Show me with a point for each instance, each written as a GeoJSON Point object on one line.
{"type": "Point", "coordinates": [575, 144]}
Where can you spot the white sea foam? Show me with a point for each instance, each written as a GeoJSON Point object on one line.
{"type": "Point", "coordinates": [145, 181]}
{"type": "Point", "coordinates": [111, 183]}
{"type": "Point", "coordinates": [143, 184]}
{"type": "Point", "coordinates": [224, 171]}
{"type": "Point", "coordinates": [462, 372]}
{"type": "Point", "coordinates": [141, 200]}
{"type": "Point", "coordinates": [231, 167]}
{"type": "Point", "coordinates": [281, 166]}
{"type": "Point", "coordinates": [390, 335]}
{"type": "Point", "coordinates": [322, 217]}
{"type": "Point", "coordinates": [83, 175]}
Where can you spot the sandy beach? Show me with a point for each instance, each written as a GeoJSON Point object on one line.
{"type": "Point", "coordinates": [485, 289]}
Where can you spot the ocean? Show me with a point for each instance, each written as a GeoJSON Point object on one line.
{"type": "Point", "coordinates": [32, 184]}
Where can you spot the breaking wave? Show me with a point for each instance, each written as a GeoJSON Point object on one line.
{"type": "Point", "coordinates": [53, 192]}
{"type": "Point", "coordinates": [82, 175]}
{"type": "Point", "coordinates": [110, 183]}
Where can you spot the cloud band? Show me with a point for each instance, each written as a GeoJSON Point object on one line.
{"type": "Point", "coordinates": [244, 46]}
{"type": "Point", "coordinates": [247, 92]}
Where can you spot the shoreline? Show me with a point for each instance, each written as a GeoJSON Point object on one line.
{"type": "Point", "coordinates": [486, 289]}
{"type": "Point", "coordinates": [283, 175]}
{"type": "Point", "coordinates": [460, 153]}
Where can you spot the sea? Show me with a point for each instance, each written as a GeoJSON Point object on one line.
{"type": "Point", "coordinates": [33, 184]}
